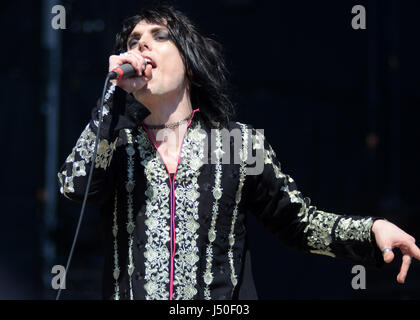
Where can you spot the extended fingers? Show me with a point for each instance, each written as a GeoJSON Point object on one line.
{"type": "Point", "coordinates": [409, 247]}
{"type": "Point", "coordinates": [404, 268]}
{"type": "Point", "coordinates": [409, 250]}
{"type": "Point", "coordinates": [389, 236]}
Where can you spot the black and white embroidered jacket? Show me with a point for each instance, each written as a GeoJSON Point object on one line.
{"type": "Point", "coordinates": [183, 236]}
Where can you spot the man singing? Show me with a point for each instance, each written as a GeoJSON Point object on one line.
{"type": "Point", "coordinates": [173, 208]}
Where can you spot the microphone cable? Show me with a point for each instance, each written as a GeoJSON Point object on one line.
{"type": "Point", "coordinates": [109, 76]}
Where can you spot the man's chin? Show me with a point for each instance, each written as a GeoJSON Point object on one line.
{"type": "Point", "coordinates": [143, 92]}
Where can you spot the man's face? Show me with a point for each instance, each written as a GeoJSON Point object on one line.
{"type": "Point", "coordinates": [168, 72]}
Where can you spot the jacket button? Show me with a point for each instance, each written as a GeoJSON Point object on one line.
{"type": "Point", "coordinates": [222, 269]}
{"type": "Point", "coordinates": [139, 276]}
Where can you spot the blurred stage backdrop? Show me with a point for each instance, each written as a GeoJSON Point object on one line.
{"type": "Point", "coordinates": [339, 106]}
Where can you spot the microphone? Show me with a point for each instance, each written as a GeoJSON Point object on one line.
{"type": "Point", "coordinates": [125, 70]}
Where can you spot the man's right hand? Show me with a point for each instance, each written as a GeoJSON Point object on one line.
{"type": "Point", "coordinates": [138, 62]}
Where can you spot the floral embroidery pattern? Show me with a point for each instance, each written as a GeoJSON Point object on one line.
{"type": "Point", "coordinates": [217, 194]}
{"type": "Point", "coordinates": [186, 206]}
{"type": "Point", "coordinates": [85, 146]}
{"type": "Point", "coordinates": [242, 172]}
{"type": "Point", "coordinates": [110, 91]}
{"type": "Point", "coordinates": [130, 224]}
{"type": "Point", "coordinates": [319, 223]}
{"type": "Point", "coordinates": [157, 193]}
{"type": "Point", "coordinates": [116, 273]}
{"type": "Point", "coordinates": [105, 108]}
{"type": "Point", "coordinates": [354, 229]}
{"type": "Point", "coordinates": [84, 149]}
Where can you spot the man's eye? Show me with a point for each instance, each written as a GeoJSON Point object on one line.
{"type": "Point", "coordinates": [162, 36]}
{"type": "Point", "coordinates": [132, 42]}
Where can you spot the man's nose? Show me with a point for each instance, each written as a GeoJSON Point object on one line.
{"type": "Point", "coordinates": [144, 45]}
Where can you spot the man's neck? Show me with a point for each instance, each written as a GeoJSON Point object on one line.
{"type": "Point", "coordinates": [168, 110]}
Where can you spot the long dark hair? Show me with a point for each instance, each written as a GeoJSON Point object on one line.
{"type": "Point", "coordinates": [202, 57]}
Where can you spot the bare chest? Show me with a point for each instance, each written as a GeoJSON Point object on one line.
{"type": "Point", "coordinates": [170, 155]}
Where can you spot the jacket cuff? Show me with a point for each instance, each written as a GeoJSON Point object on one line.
{"type": "Point", "coordinates": [360, 249]}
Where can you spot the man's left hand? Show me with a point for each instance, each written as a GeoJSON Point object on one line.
{"type": "Point", "coordinates": [388, 235]}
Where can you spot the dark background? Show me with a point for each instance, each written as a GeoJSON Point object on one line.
{"type": "Point", "coordinates": [338, 105]}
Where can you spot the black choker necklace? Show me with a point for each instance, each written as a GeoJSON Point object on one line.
{"type": "Point", "coordinates": [168, 125]}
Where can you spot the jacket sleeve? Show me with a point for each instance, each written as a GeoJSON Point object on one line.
{"type": "Point", "coordinates": [121, 111]}
{"type": "Point", "coordinates": [274, 198]}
